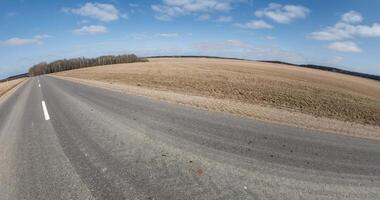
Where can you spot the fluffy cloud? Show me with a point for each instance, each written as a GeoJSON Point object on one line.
{"type": "Point", "coordinates": [347, 28]}
{"type": "Point", "coordinates": [283, 13]}
{"type": "Point", "coordinates": [90, 30]}
{"type": "Point", "coordinates": [352, 17]}
{"type": "Point", "coordinates": [343, 30]}
{"type": "Point", "coordinates": [170, 9]}
{"type": "Point", "coordinates": [100, 11]}
{"type": "Point", "coordinates": [345, 46]}
{"type": "Point", "coordinates": [255, 24]}
{"type": "Point", "coordinates": [224, 19]}
{"type": "Point", "coordinates": [166, 12]}
{"type": "Point", "coordinates": [16, 41]}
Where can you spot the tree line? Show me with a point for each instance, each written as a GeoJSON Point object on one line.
{"type": "Point", "coordinates": [76, 63]}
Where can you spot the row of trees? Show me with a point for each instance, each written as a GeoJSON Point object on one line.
{"type": "Point", "coordinates": [76, 63]}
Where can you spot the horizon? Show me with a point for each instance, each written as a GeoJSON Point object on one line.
{"type": "Point", "coordinates": [335, 35]}
{"type": "Point", "coordinates": [217, 57]}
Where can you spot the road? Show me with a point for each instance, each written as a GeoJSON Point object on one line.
{"type": "Point", "coordinates": [92, 143]}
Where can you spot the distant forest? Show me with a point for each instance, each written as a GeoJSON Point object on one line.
{"type": "Point", "coordinates": [76, 63]}
{"type": "Point", "coordinates": [331, 69]}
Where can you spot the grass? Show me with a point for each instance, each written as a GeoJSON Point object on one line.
{"type": "Point", "coordinates": [309, 91]}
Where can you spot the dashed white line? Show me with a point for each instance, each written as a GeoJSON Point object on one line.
{"type": "Point", "coordinates": [46, 114]}
{"type": "Point", "coordinates": [39, 85]}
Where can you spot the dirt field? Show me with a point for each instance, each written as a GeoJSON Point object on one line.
{"type": "Point", "coordinates": [5, 87]}
{"type": "Point", "coordinates": [312, 92]}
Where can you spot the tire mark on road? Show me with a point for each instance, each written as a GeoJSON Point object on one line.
{"type": "Point", "coordinates": [98, 185]}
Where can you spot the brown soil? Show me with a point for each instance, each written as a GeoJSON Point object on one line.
{"type": "Point", "coordinates": [309, 91]}
{"type": "Point", "coordinates": [6, 86]}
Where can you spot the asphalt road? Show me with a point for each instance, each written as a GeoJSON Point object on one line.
{"type": "Point", "coordinates": [92, 143]}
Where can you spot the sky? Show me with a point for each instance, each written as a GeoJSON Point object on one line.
{"type": "Point", "coordinates": [338, 33]}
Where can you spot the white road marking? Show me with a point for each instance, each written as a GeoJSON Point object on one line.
{"type": "Point", "coordinates": [46, 114]}
{"type": "Point", "coordinates": [39, 85]}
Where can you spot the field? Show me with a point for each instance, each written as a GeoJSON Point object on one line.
{"type": "Point", "coordinates": [301, 90]}
{"type": "Point", "coordinates": [6, 86]}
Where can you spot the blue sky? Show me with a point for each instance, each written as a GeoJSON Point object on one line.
{"type": "Point", "coordinates": [341, 33]}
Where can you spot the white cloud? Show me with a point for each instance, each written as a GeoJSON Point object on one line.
{"type": "Point", "coordinates": [166, 12]}
{"type": "Point", "coordinates": [337, 32]}
{"type": "Point", "coordinates": [91, 30]}
{"type": "Point", "coordinates": [352, 17]}
{"type": "Point", "coordinates": [40, 37]}
{"type": "Point", "coordinates": [283, 13]}
{"type": "Point", "coordinates": [346, 28]}
{"type": "Point", "coordinates": [255, 24]}
{"type": "Point", "coordinates": [100, 11]}
{"type": "Point", "coordinates": [224, 19]}
{"type": "Point", "coordinates": [170, 9]}
{"type": "Point", "coordinates": [16, 41]}
{"type": "Point", "coordinates": [345, 46]}
{"type": "Point", "coordinates": [20, 41]}
{"type": "Point", "coordinates": [168, 35]}
{"type": "Point", "coordinates": [368, 31]}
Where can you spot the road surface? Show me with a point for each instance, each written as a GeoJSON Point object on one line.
{"type": "Point", "coordinates": [64, 140]}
